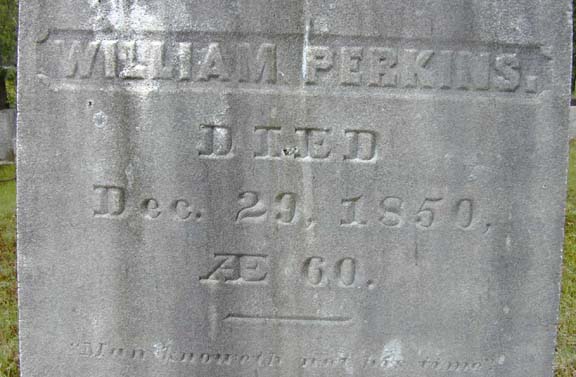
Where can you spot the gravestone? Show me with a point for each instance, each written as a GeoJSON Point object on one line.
{"type": "Point", "coordinates": [291, 188]}
{"type": "Point", "coordinates": [7, 134]}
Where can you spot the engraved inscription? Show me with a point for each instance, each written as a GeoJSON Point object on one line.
{"type": "Point", "coordinates": [464, 213]}
{"type": "Point", "coordinates": [318, 59]}
{"type": "Point", "coordinates": [254, 209]}
{"type": "Point", "coordinates": [395, 213]}
{"type": "Point", "coordinates": [386, 67]}
{"type": "Point", "coordinates": [350, 59]}
{"type": "Point", "coordinates": [324, 363]}
{"type": "Point", "coordinates": [315, 144]}
{"type": "Point", "coordinates": [111, 201]}
{"type": "Point", "coordinates": [151, 209]}
{"type": "Point", "coordinates": [183, 210]}
{"type": "Point", "coordinates": [238, 269]}
{"type": "Point", "coordinates": [451, 366]}
{"type": "Point", "coordinates": [289, 319]}
{"type": "Point", "coordinates": [350, 218]}
{"type": "Point", "coordinates": [318, 273]}
{"type": "Point", "coordinates": [166, 354]}
{"type": "Point", "coordinates": [213, 66]}
{"type": "Point", "coordinates": [190, 58]}
{"type": "Point", "coordinates": [268, 142]}
{"type": "Point", "coordinates": [103, 350]}
{"type": "Point", "coordinates": [216, 141]}
{"type": "Point", "coordinates": [303, 144]}
{"type": "Point", "coordinates": [179, 209]}
{"type": "Point", "coordinates": [285, 208]}
{"type": "Point", "coordinates": [391, 209]}
{"type": "Point", "coordinates": [263, 70]}
{"type": "Point", "coordinates": [79, 59]}
{"type": "Point", "coordinates": [255, 269]}
{"type": "Point", "coordinates": [425, 215]}
{"type": "Point", "coordinates": [361, 145]}
{"type": "Point", "coordinates": [158, 60]}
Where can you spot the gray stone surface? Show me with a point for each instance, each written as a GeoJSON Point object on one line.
{"type": "Point", "coordinates": [7, 134]}
{"type": "Point", "coordinates": [291, 188]}
{"type": "Point", "coordinates": [572, 130]}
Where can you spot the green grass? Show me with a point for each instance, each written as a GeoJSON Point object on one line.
{"type": "Point", "coordinates": [566, 348]}
{"type": "Point", "coordinates": [8, 303]}
{"type": "Point", "coordinates": [11, 91]}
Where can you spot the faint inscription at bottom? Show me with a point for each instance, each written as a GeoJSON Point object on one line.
{"type": "Point", "coordinates": [167, 353]}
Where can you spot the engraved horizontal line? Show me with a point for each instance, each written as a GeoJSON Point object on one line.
{"type": "Point", "coordinates": [225, 35]}
{"type": "Point", "coordinates": [287, 318]}
{"type": "Point", "coordinates": [313, 91]}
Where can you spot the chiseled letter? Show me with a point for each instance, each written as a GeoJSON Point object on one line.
{"type": "Point", "coordinates": [415, 71]}
{"type": "Point", "coordinates": [110, 58]}
{"type": "Point", "coordinates": [361, 145]}
{"type": "Point", "coordinates": [227, 268]}
{"type": "Point", "coordinates": [111, 201]}
{"type": "Point", "coordinates": [350, 58]}
{"type": "Point", "coordinates": [382, 62]}
{"type": "Point", "coordinates": [216, 141]}
{"type": "Point", "coordinates": [444, 64]}
{"type": "Point", "coordinates": [472, 71]}
{"type": "Point", "coordinates": [265, 68]}
{"type": "Point", "coordinates": [184, 61]}
{"type": "Point", "coordinates": [132, 68]}
{"type": "Point", "coordinates": [79, 58]}
{"type": "Point", "coordinates": [268, 142]}
{"type": "Point", "coordinates": [318, 58]}
{"type": "Point", "coordinates": [507, 67]}
{"type": "Point", "coordinates": [313, 143]}
{"type": "Point", "coordinates": [158, 68]}
{"type": "Point", "coordinates": [253, 268]}
{"type": "Point", "coordinates": [213, 65]}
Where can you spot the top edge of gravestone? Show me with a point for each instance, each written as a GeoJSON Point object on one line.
{"type": "Point", "coordinates": [520, 27]}
{"type": "Point", "coordinates": [521, 22]}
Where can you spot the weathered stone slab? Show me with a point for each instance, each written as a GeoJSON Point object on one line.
{"type": "Point", "coordinates": [291, 188]}
{"type": "Point", "coordinates": [7, 134]}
